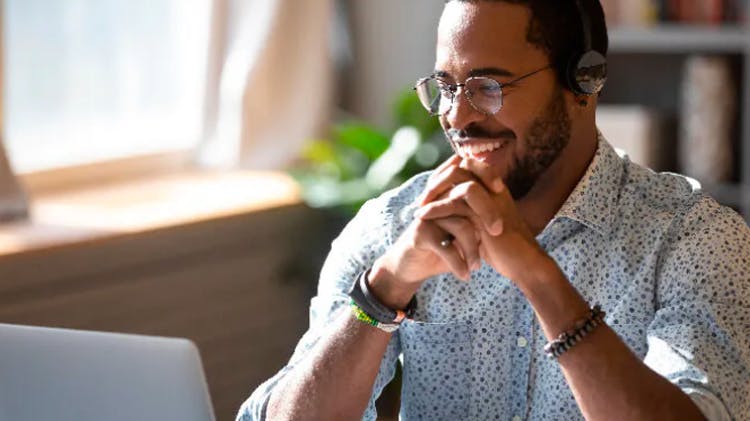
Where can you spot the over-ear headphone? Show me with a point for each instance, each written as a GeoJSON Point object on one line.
{"type": "Point", "coordinates": [587, 70]}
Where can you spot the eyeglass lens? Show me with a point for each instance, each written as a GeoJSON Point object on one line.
{"type": "Point", "coordinates": [484, 94]}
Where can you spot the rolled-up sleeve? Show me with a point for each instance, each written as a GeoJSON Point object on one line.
{"type": "Point", "coordinates": [361, 242]}
{"type": "Point", "coordinates": [699, 338]}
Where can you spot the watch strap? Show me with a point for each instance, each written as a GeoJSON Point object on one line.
{"type": "Point", "coordinates": [361, 294]}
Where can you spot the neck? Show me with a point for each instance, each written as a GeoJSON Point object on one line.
{"type": "Point", "coordinates": [554, 187]}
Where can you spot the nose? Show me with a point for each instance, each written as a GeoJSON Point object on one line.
{"type": "Point", "coordinates": [462, 113]}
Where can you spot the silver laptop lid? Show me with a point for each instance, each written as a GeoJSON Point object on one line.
{"type": "Point", "coordinates": [61, 374]}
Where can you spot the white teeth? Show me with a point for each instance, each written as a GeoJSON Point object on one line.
{"type": "Point", "coordinates": [473, 150]}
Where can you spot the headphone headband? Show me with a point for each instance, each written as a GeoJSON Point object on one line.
{"type": "Point", "coordinates": [586, 26]}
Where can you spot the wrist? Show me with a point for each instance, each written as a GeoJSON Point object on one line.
{"type": "Point", "coordinates": [388, 288]}
{"type": "Point", "coordinates": [555, 300]}
{"type": "Point", "coordinates": [540, 271]}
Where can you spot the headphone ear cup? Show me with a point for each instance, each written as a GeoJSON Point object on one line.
{"type": "Point", "coordinates": [587, 73]}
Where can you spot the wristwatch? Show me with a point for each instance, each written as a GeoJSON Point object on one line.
{"type": "Point", "coordinates": [362, 296]}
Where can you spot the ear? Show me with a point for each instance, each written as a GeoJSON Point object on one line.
{"type": "Point", "coordinates": [575, 103]}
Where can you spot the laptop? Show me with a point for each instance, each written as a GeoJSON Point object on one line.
{"type": "Point", "coordinates": [61, 374]}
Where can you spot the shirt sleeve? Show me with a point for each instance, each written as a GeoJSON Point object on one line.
{"type": "Point", "coordinates": [699, 338]}
{"type": "Point", "coordinates": [361, 242]}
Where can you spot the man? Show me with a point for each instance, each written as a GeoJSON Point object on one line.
{"type": "Point", "coordinates": [512, 242]}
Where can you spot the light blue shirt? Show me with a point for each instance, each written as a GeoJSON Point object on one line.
{"type": "Point", "coordinates": [669, 265]}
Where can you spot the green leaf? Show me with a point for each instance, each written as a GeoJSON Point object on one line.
{"type": "Point", "coordinates": [328, 193]}
{"type": "Point", "coordinates": [361, 161]}
{"type": "Point", "coordinates": [371, 142]}
{"type": "Point", "coordinates": [319, 152]}
{"type": "Point", "coordinates": [324, 158]}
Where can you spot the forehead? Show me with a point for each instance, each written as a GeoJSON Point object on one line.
{"type": "Point", "coordinates": [485, 34]}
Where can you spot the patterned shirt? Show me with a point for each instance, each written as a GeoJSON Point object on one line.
{"type": "Point", "coordinates": [669, 265]}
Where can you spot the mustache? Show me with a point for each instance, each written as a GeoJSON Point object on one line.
{"type": "Point", "coordinates": [477, 132]}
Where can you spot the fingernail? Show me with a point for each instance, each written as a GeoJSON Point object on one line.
{"type": "Point", "coordinates": [419, 213]}
{"type": "Point", "coordinates": [498, 185]}
{"type": "Point", "coordinates": [477, 264]}
{"type": "Point", "coordinates": [497, 227]}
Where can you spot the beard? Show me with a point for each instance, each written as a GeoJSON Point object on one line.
{"type": "Point", "coordinates": [548, 135]}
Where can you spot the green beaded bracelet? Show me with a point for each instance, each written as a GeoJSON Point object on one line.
{"type": "Point", "coordinates": [362, 316]}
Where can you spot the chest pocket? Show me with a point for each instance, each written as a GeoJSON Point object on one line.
{"type": "Point", "coordinates": [437, 377]}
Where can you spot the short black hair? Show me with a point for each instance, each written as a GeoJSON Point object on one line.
{"type": "Point", "coordinates": [556, 27]}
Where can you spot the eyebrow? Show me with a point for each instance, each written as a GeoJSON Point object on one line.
{"type": "Point", "coordinates": [483, 71]}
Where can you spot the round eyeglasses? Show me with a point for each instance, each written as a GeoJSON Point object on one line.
{"type": "Point", "coordinates": [484, 93]}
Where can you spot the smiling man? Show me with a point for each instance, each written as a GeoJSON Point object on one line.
{"type": "Point", "coordinates": [537, 274]}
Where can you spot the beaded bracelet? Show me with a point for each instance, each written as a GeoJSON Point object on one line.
{"type": "Point", "coordinates": [362, 316]}
{"type": "Point", "coordinates": [568, 339]}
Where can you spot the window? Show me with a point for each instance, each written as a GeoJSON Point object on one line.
{"type": "Point", "coordinates": [94, 80]}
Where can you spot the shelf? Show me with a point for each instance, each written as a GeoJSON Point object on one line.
{"type": "Point", "coordinates": [679, 39]}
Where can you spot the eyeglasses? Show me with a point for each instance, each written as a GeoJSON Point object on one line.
{"type": "Point", "coordinates": [484, 94]}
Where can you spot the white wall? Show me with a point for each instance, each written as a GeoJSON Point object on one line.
{"type": "Point", "coordinates": [394, 45]}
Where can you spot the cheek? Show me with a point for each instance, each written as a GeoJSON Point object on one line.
{"type": "Point", "coordinates": [525, 106]}
{"type": "Point", "coordinates": [514, 120]}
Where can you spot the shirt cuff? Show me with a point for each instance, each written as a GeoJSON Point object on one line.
{"type": "Point", "coordinates": [710, 405]}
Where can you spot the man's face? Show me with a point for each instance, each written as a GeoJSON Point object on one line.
{"type": "Point", "coordinates": [533, 127]}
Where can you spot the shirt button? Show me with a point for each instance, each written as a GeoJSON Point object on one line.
{"type": "Point", "coordinates": [522, 342]}
{"type": "Point", "coordinates": [516, 418]}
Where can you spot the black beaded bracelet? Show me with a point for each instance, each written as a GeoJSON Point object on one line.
{"type": "Point", "coordinates": [570, 338]}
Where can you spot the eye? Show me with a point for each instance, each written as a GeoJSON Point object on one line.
{"type": "Point", "coordinates": [487, 88]}
{"type": "Point", "coordinates": [445, 88]}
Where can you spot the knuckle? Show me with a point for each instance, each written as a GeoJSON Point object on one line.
{"type": "Point", "coordinates": [460, 190]}
{"type": "Point", "coordinates": [500, 188]}
{"type": "Point", "coordinates": [453, 172]}
{"type": "Point", "coordinates": [465, 225]}
{"type": "Point", "coordinates": [468, 187]}
{"type": "Point", "coordinates": [421, 228]}
{"type": "Point", "coordinates": [473, 189]}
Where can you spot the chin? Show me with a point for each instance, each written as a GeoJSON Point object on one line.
{"type": "Point", "coordinates": [485, 172]}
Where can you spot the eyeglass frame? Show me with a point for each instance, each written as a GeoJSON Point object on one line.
{"type": "Point", "coordinates": [453, 88]}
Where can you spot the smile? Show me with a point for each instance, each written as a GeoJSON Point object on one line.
{"type": "Point", "coordinates": [475, 148]}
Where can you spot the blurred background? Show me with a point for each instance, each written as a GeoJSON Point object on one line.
{"type": "Point", "coordinates": [179, 167]}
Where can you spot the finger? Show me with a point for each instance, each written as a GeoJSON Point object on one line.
{"type": "Point", "coordinates": [445, 181]}
{"type": "Point", "coordinates": [471, 200]}
{"type": "Point", "coordinates": [446, 207]}
{"type": "Point", "coordinates": [429, 236]}
{"type": "Point", "coordinates": [493, 184]}
{"type": "Point", "coordinates": [452, 161]}
{"type": "Point", "coordinates": [483, 204]}
{"type": "Point", "coordinates": [439, 174]}
{"type": "Point", "coordinates": [465, 238]}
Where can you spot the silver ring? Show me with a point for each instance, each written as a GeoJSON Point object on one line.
{"type": "Point", "coordinates": [447, 241]}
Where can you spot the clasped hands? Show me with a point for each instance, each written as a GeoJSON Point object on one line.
{"type": "Point", "coordinates": [483, 222]}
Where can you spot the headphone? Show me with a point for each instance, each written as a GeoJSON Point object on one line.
{"type": "Point", "coordinates": [587, 71]}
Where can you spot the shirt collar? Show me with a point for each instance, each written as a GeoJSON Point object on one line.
{"type": "Point", "coordinates": [593, 201]}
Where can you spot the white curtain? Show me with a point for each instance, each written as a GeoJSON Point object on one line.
{"type": "Point", "coordinates": [273, 89]}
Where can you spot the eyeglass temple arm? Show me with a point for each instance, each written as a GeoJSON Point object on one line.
{"type": "Point", "coordinates": [520, 78]}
